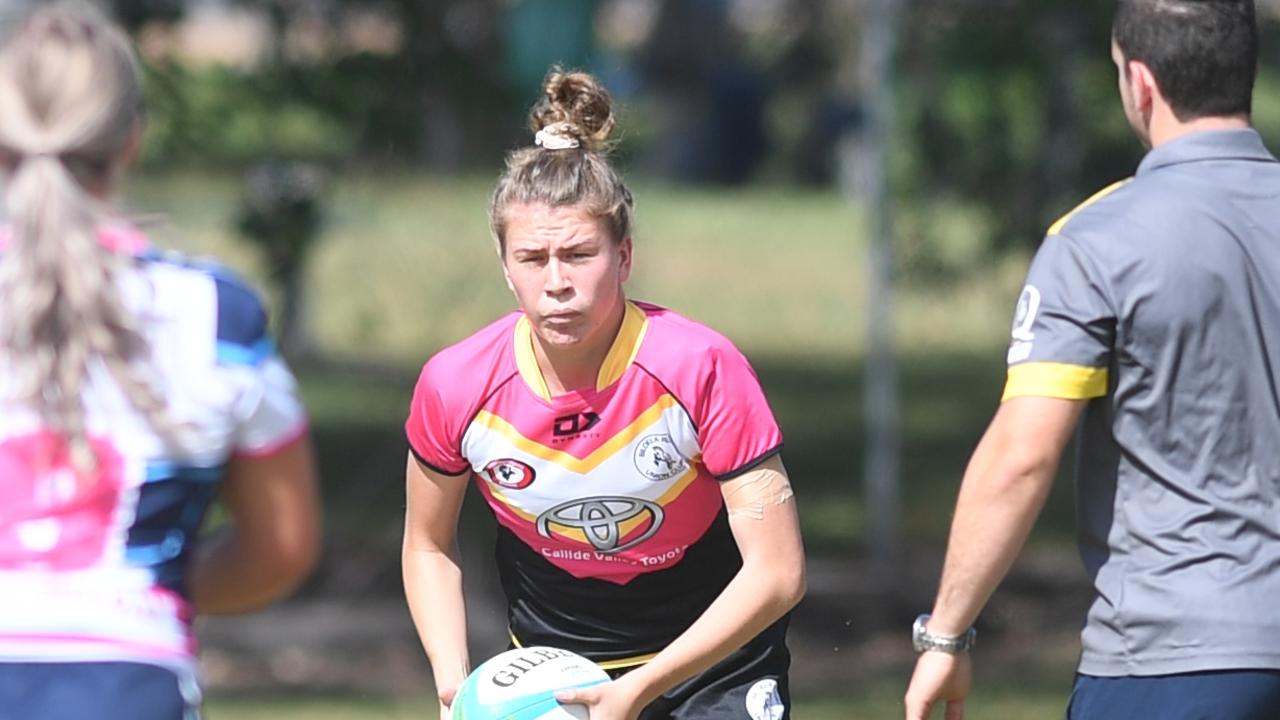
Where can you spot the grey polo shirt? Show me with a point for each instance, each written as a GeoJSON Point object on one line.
{"type": "Point", "coordinates": [1158, 300]}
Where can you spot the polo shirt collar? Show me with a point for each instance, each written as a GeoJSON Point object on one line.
{"type": "Point", "coordinates": [1234, 144]}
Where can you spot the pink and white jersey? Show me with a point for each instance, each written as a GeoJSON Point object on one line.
{"type": "Point", "coordinates": [92, 568]}
{"type": "Point", "coordinates": [612, 530]}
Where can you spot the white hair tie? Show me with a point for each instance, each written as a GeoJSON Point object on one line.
{"type": "Point", "coordinates": [557, 136]}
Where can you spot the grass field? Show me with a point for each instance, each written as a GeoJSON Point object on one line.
{"type": "Point", "coordinates": [882, 702]}
{"type": "Point", "coordinates": [407, 267]}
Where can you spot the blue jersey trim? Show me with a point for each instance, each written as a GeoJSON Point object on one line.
{"type": "Point", "coordinates": [231, 353]}
{"type": "Point", "coordinates": [242, 333]}
{"type": "Point", "coordinates": [241, 317]}
{"type": "Point", "coordinates": [171, 507]}
{"type": "Point", "coordinates": [166, 470]}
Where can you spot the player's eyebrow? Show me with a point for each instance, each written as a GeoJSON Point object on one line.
{"type": "Point", "coordinates": [586, 243]}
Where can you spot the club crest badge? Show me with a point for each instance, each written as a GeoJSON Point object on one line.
{"type": "Point", "coordinates": [509, 473]}
{"type": "Point", "coordinates": [658, 459]}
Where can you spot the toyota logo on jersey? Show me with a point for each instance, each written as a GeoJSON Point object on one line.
{"type": "Point", "coordinates": [509, 473]}
{"type": "Point", "coordinates": [601, 518]}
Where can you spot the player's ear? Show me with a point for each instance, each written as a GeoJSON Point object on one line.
{"type": "Point", "coordinates": [624, 258]}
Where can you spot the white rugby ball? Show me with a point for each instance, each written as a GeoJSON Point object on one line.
{"type": "Point", "coordinates": [521, 684]}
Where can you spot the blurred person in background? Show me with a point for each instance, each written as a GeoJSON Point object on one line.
{"type": "Point", "coordinates": [1150, 321]}
{"type": "Point", "coordinates": [645, 519]}
{"type": "Point", "coordinates": [136, 389]}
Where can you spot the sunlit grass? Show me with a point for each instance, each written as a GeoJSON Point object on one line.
{"type": "Point", "coordinates": [1010, 699]}
{"type": "Point", "coordinates": [406, 265]}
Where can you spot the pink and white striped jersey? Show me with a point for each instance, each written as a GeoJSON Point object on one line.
{"type": "Point", "coordinates": [612, 531]}
{"type": "Point", "coordinates": [92, 568]}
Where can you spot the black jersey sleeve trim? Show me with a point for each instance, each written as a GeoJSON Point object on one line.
{"type": "Point", "coordinates": [435, 468]}
{"type": "Point", "coordinates": [750, 464]}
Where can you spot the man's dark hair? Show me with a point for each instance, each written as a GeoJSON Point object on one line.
{"type": "Point", "coordinates": [1203, 53]}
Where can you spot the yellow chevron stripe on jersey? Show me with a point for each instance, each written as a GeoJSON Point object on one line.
{"type": "Point", "coordinates": [1055, 380]}
{"type": "Point", "coordinates": [1056, 228]}
{"type": "Point", "coordinates": [620, 356]}
{"type": "Point", "coordinates": [527, 362]}
{"type": "Point", "coordinates": [623, 352]}
{"type": "Point", "coordinates": [564, 459]}
{"type": "Point", "coordinates": [604, 664]}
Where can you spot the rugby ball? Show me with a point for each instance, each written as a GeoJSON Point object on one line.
{"type": "Point", "coordinates": [521, 684]}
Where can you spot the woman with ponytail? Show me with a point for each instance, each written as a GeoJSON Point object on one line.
{"type": "Point", "coordinates": [645, 519]}
{"type": "Point", "coordinates": [135, 391]}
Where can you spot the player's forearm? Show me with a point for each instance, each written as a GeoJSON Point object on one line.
{"type": "Point", "coordinates": [1001, 495]}
{"type": "Point", "coordinates": [433, 589]}
{"type": "Point", "coordinates": [229, 576]}
{"type": "Point", "coordinates": [761, 593]}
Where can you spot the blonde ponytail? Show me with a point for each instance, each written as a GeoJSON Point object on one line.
{"type": "Point", "coordinates": [69, 107]}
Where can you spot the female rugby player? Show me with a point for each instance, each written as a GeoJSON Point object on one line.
{"type": "Point", "coordinates": [134, 389]}
{"type": "Point", "coordinates": [645, 519]}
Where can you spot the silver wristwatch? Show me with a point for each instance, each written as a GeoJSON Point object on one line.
{"type": "Point", "coordinates": [922, 639]}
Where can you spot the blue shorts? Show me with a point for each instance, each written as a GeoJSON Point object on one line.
{"type": "Point", "coordinates": [98, 690]}
{"type": "Point", "coordinates": [1211, 695]}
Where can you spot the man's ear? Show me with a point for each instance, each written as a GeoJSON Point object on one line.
{"type": "Point", "coordinates": [1142, 85]}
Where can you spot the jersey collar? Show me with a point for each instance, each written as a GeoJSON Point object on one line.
{"type": "Point", "coordinates": [620, 356]}
{"type": "Point", "coordinates": [1236, 144]}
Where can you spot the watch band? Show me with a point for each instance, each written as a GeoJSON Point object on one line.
{"type": "Point", "coordinates": [923, 640]}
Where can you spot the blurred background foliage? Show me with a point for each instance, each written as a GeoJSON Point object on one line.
{"type": "Point", "coordinates": [1006, 117]}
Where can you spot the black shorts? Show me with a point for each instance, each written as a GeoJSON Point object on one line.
{"type": "Point", "coordinates": [98, 690]}
{"type": "Point", "coordinates": [749, 684]}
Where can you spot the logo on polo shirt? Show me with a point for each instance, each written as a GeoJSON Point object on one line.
{"type": "Point", "coordinates": [1024, 318]}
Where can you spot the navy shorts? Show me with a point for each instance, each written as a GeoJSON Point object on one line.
{"type": "Point", "coordinates": [98, 690]}
{"type": "Point", "coordinates": [1212, 695]}
{"type": "Point", "coordinates": [749, 684]}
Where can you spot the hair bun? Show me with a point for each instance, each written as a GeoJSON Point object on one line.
{"type": "Point", "coordinates": [578, 105]}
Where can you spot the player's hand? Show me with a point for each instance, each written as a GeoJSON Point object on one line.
{"type": "Point", "coordinates": [939, 677]}
{"type": "Point", "coordinates": [446, 695]}
{"type": "Point", "coordinates": [606, 701]}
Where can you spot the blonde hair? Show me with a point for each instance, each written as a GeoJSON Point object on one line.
{"type": "Point", "coordinates": [577, 110]}
{"type": "Point", "coordinates": [70, 105]}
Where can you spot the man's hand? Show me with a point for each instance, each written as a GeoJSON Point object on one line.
{"type": "Point", "coordinates": [938, 677]}
{"type": "Point", "coordinates": [607, 701]}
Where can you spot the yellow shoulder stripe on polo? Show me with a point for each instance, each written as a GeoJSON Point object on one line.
{"type": "Point", "coordinates": [1055, 380]}
{"type": "Point", "coordinates": [1056, 228]}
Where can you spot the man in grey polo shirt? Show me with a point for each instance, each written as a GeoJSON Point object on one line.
{"type": "Point", "coordinates": [1151, 320]}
